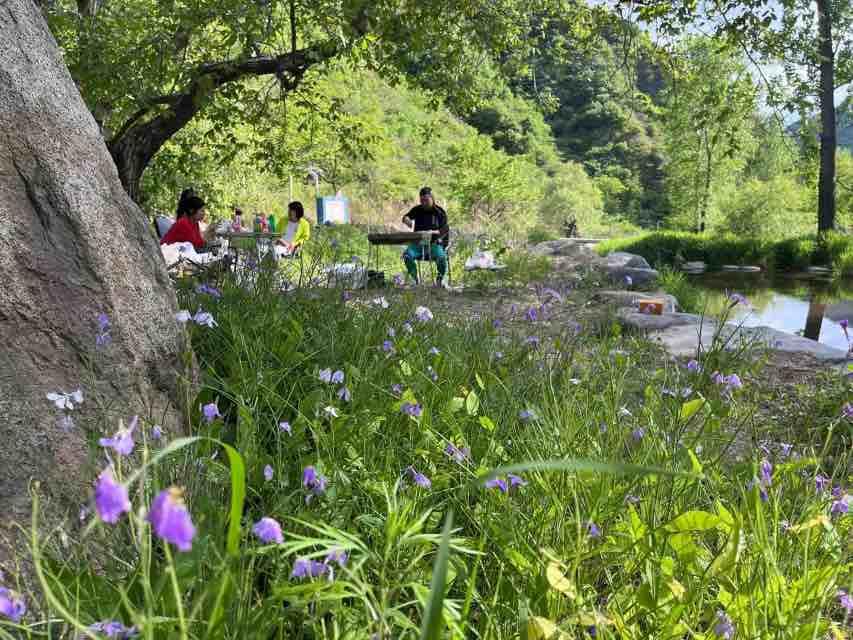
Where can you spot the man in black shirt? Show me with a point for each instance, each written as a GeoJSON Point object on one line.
{"type": "Point", "coordinates": [427, 216]}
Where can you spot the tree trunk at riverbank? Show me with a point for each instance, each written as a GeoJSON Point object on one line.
{"type": "Point", "coordinates": [72, 245]}
{"type": "Point", "coordinates": [828, 140]}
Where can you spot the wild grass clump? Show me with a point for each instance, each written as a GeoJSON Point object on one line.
{"type": "Point", "coordinates": [361, 468]}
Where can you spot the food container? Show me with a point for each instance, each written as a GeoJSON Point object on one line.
{"type": "Point", "coordinates": [651, 306]}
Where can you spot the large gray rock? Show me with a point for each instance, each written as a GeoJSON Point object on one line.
{"type": "Point", "coordinates": [564, 247]}
{"type": "Point", "coordinates": [630, 317]}
{"type": "Point", "coordinates": [683, 340]}
{"type": "Point", "coordinates": [72, 245]}
{"type": "Point", "coordinates": [620, 265]}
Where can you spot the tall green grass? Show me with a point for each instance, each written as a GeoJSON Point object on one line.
{"type": "Point", "coordinates": [640, 516]}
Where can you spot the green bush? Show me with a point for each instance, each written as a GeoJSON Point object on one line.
{"type": "Point", "coordinates": [675, 247]}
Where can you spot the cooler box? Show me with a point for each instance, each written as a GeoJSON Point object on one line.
{"type": "Point", "coordinates": [332, 210]}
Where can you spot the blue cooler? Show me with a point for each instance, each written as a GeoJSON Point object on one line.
{"type": "Point", "coordinates": [332, 210]}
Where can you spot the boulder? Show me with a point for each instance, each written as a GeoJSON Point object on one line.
{"type": "Point", "coordinates": [630, 317]}
{"type": "Point", "coordinates": [568, 247]}
{"type": "Point", "coordinates": [620, 265]}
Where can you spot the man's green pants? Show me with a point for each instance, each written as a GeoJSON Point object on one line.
{"type": "Point", "coordinates": [418, 252]}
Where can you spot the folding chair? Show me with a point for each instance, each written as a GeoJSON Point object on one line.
{"type": "Point", "coordinates": [162, 224]}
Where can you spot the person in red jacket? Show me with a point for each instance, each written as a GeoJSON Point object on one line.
{"type": "Point", "coordinates": [186, 227]}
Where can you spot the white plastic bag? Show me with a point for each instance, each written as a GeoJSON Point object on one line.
{"type": "Point", "coordinates": [480, 260]}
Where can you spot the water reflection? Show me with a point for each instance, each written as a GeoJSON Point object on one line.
{"type": "Point", "coordinates": [809, 308]}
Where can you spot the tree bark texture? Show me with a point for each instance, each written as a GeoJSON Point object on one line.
{"type": "Point", "coordinates": [828, 140]}
{"type": "Point", "coordinates": [72, 245]}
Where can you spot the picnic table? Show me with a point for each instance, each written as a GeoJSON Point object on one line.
{"type": "Point", "coordinates": [397, 238]}
{"type": "Point", "coordinates": [259, 242]}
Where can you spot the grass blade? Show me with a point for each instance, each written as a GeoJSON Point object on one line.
{"type": "Point", "coordinates": [433, 618]}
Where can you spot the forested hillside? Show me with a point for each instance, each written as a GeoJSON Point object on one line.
{"type": "Point", "coordinates": [596, 125]}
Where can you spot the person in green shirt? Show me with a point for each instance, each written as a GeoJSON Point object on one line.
{"type": "Point", "coordinates": [428, 216]}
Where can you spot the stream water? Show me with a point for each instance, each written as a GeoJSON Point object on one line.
{"type": "Point", "coordinates": [803, 306]}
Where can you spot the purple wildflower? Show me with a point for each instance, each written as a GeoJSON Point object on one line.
{"type": "Point", "coordinates": [268, 530]}
{"type": "Point", "coordinates": [103, 322]}
{"type": "Point", "coordinates": [593, 530]}
{"type": "Point", "coordinates": [408, 328]}
{"type": "Point", "coordinates": [497, 483]}
{"type": "Point", "coordinates": [114, 629]}
{"type": "Point", "coordinates": [12, 605]}
{"type": "Point", "coordinates": [847, 411]}
{"type": "Point", "coordinates": [399, 280]}
{"type": "Point", "coordinates": [549, 293]}
{"type": "Point", "coordinates": [733, 381]}
{"type": "Point", "coordinates": [210, 412]}
{"type": "Point", "coordinates": [840, 506]}
{"type": "Point", "coordinates": [418, 478]}
{"type": "Point", "coordinates": [422, 314]}
{"type": "Point", "coordinates": [432, 374]}
{"type": "Point", "coordinates": [499, 355]}
{"type": "Point", "coordinates": [392, 333]}
{"type": "Point", "coordinates": [64, 400]}
{"type": "Point", "coordinates": [344, 394]}
{"type": "Point", "coordinates": [433, 351]}
{"type": "Point", "coordinates": [122, 442]}
{"type": "Point", "coordinates": [156, 432]}
{"type": "Point", "coordinates": [338, 377]}
{"type": "Point", "coordinates": [532, 341]}
{"type": "Point", "coordinates": [821, 483]}
{"type": "Point", "coordinates": [331, 412]}
{"type": "Point", "coordinates": [346, 296]}
{"type": "Point", "coordinates": [397, 389]}
{"type": "Point", "coordinates": [736, 299]}
{"type": "Point", "coordinates": [638, 434]}
{"type": "Point", "coordinates": [844, 324]}
{"type": "Point", "coordinates": [326, 376]}
{"type": "Point", "coordinates": [532, 314]}
{"type": "Point", "coordinates": [724, 627]}
{"type": "Point", "coordinates": [845, 600]}
{"type": "Point", "coordinates": [313, 482]}
{"type": "Point", "coordinates": [381, 302]}
{"type": "Point", "coordinates": [459, 455]}
{"type": "Point", "coordinates": [205, 288]}
{"type": "Point", "coordinates": [786, 449]}
{"type": "Point", "coordinates": [694, 367]}
{"type": "Point", "coordinates": [527, 415]}
{"type": "Point", "coordinates": [762, 489]}
{"type": "Point", "coordinates": [111, 500]}
{"type": "Point", "coordinates": [268, 473]}
{"type": "Point", "coordinates": [338, 556]}
{"type": "Point", "coordinates": [203, 318]}
{"type": "Point", "coordinates": [306, 568]}
{"type": "Point", "coordinates": [183, 316]}
{"type": "Point", "coordinates": [170, 519]}
{"type": "Point", "coordinates": [496, 323]}
{"type": "Point", "coordinates": [515, 481]}
{"type": "Point", "coordinates": [766, 473]}
{"type": "Point", "coordinates": [413, 410]}
{"type": "Point", "coordinates": [284, 426]}
{"type": "Point", "coordinates": [388, 346]}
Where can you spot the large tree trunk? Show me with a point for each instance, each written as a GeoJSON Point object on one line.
{"type": "Point", "coordinates": [72, 245]}
{"type": "Point", "coordinates": [828, 142]}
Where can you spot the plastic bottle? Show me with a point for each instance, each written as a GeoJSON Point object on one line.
{"type": "Point", "coordinates": [257, 226]}
{"type": "Point", "coordinates": [271, 223]}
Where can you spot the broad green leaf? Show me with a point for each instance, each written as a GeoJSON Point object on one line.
{"type": "Point", "coordinates": [433, 623]}
{"type": "Point", "coordinates": [238, 496]}
{"type": "Point", "coordinates": [455, 404]}
{"type": "Point", "coordinates": [405, 368]}
{"type": "Point", "coordinates": [729, 557]}
{"type": "Point", "coordinates": [472, 403]}
{"type": "Point", "coordinates": [694, 521]}
{"type": "Point", "coordinates": [542, 629]}
{"type": "Point", "coordinates": [487, 423]}
{"type": "Point", "coordinates": [688, 409]}
{"type": "Point", "coordinates": [676, 588]}
{"type": "Point", "coordinates": [559, 581]}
